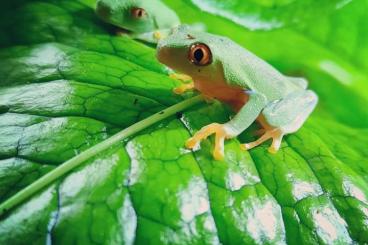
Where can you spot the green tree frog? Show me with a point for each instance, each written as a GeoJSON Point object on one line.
{"type": "Point", "coordinates": [223, 70]}
{"type": "Point", "coordinates": [147, 20]}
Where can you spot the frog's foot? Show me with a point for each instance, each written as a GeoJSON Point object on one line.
{"type": "Point", "coordinates": [183, 88]}
{"type": "Point", "coordinates": [274, 134]}
{"type": "Point", "coordinates": [181, 77]}
{"type": "Point", "coordinates": [220, 136]}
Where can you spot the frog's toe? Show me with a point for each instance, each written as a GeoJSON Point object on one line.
{"type": "Point", "coordinates": [199, 136]}
{"type": "Point", "coordinates": [272, 150]}
{"type": "Point", "coordinates": [276, 143]}
{"type": "Point", "coordinates": [179, 90]}
{"type": "Point", "coordinates": [218, 152]}
{"type": "Point", "coordinates": [220, 136]}
{"type": "Point", "coordinates": [183, 88]}
{"type": "Point", "coordinates": [248, 146]}
{"type": "Point", "coordinates": [218, 155]}
{"type": "Point", "coordinates": [191, 143]}
{"type": "Point", "coordinates": [274, 134]}
{"type": "Point", "coordinates": [181, 77]}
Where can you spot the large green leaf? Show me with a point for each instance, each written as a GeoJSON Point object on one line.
{"type": "Point", "coordinates": [67, 83]}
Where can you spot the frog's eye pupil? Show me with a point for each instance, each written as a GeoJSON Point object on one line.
{"type": "Point", "coordinates": [200, 54]}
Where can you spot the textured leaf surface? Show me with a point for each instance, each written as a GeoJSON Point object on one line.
{"type": "Point", "coordinates": [67, 83]}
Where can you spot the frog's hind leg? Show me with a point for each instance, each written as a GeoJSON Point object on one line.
{"type": "Point", "coordinates": [284, 117]}
{"type": "Point", "coordinates": [298, 81]}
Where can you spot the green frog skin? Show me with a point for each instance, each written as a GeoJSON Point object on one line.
{"type": "Point", "coordinates": [147, 20]}
{"type": "Point", "coordinates": [223, 70]}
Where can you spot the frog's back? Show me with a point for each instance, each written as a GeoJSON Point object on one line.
{"type": "Point", "coordinates": [243, 68]}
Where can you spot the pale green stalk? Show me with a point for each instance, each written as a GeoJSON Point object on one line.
{"type": "Point", "coordinates": [93, 151]}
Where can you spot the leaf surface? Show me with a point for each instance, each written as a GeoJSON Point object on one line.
{"type": "Point", "coordinates": [67, 82]}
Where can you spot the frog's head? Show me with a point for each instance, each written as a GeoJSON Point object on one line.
{"type": "Point", "coordinates": [192, 53]}
{"type": "Point", "coordinates": [137, 16]}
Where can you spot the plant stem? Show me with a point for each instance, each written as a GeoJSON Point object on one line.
{"type": "Point", "coordinates": [94, 150]}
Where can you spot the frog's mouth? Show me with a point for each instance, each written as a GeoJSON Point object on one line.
{"type": "Point", "coordinates": [170, 57]}
{"type": "Point", "coordinates": [122, 30]}
{"type": "Point", "coordinates": [174, 58]}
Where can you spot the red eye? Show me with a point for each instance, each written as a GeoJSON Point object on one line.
{"type": "Point", "coordinates": [200, 54]}
{"type": "Point", "coordinates": [138, 13]}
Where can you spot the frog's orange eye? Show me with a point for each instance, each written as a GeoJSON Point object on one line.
{"type": "Point", "coordinates": [200, 54]}
{"type": "Point", "coordinates": [138, 13]}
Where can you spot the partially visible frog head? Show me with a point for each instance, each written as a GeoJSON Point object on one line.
{"type": "Point", "coordinates": [137, 16]}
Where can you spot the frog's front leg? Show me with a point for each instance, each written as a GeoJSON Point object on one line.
{"type": "Point", "coordinates": [284, 117]}
{"type": "Point", "coordinates": [185, 86]}
{"type": "Point", "coordinates": [247, 114]}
